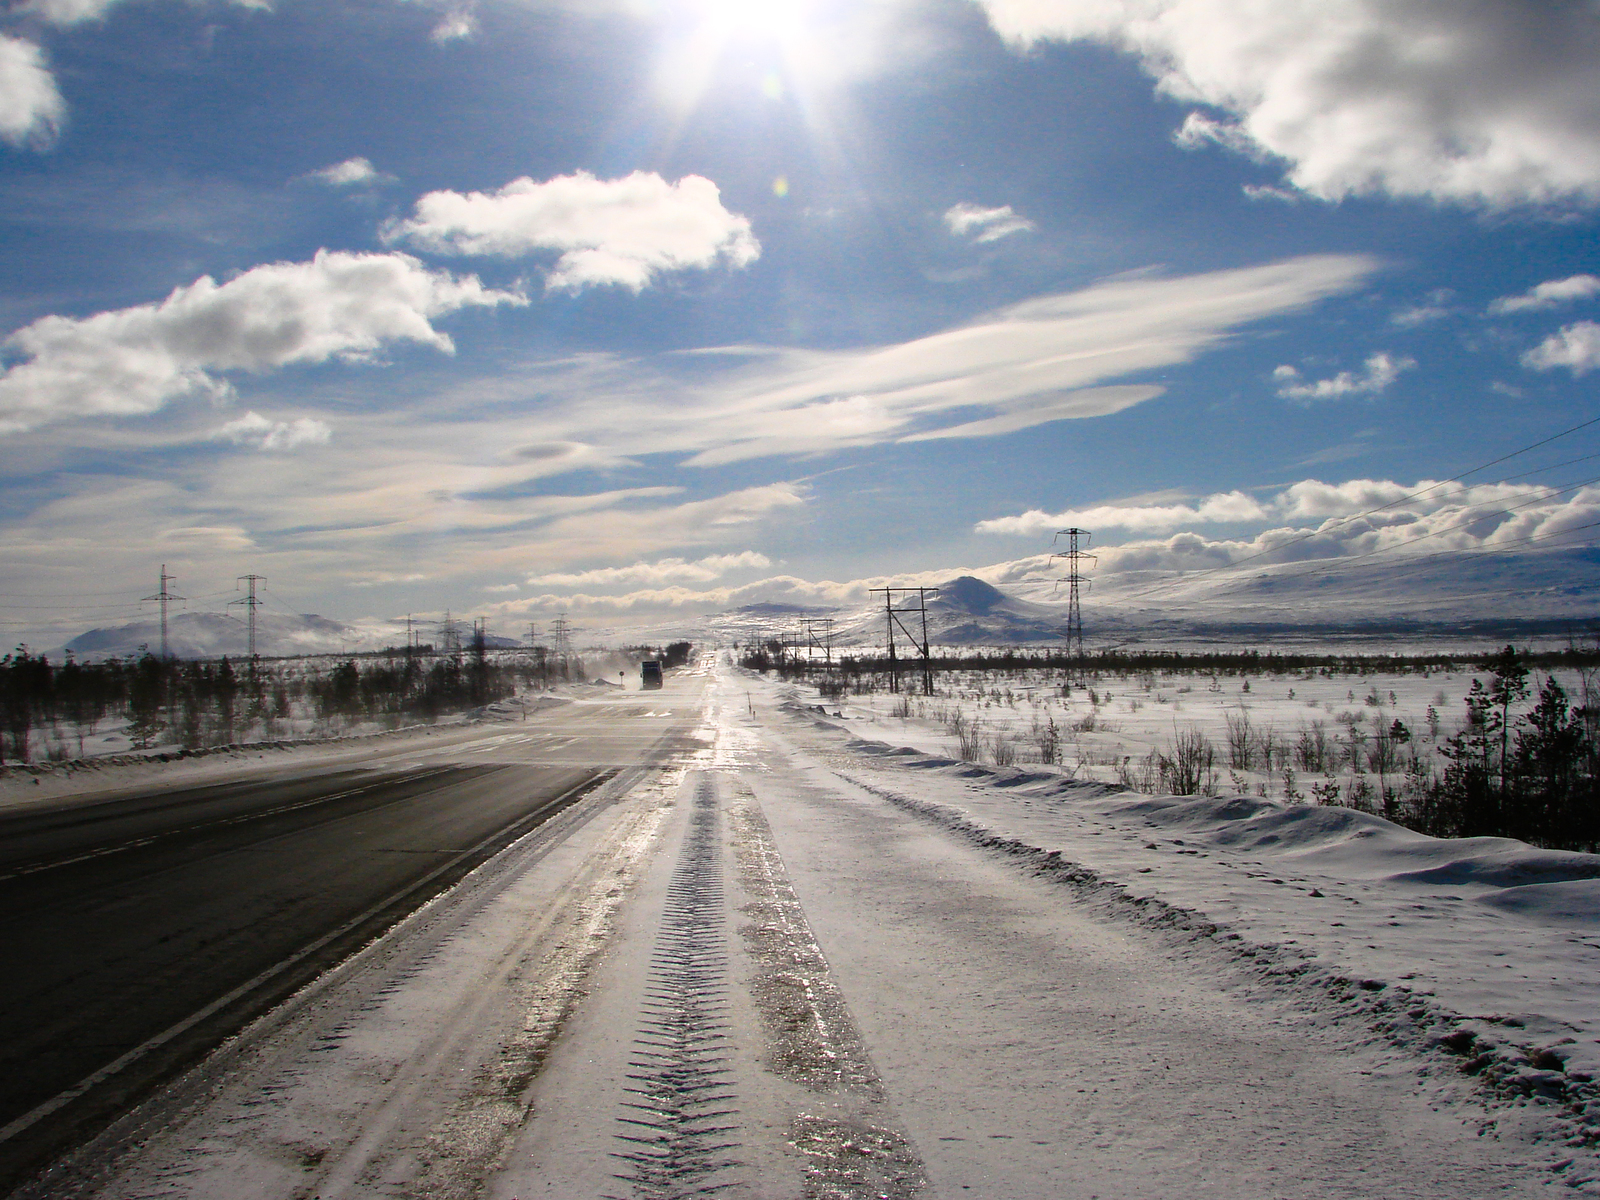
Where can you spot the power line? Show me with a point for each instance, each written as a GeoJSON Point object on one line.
{"type": "Point", "coordinates": [59, 595]}
{"type": "Point", "coordinates": [131, 604]}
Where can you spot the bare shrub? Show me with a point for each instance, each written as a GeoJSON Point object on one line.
{"type": "Point", "coordinates": [1241, 740]}
{"type": "Point", "coordinates": [1047, 738]}
{"type": "Point", "coordinates": [1191, 767]}
{"type": "Point", "coordinates": [1311, 748]}
{"type": "Point", "coordinates": [1270, 748]}
{"type": "Point", "coordinates": [1143, 776]}
{"type": "Point", "coordinates": [969, 742]}
{"type": "Point", "coordinates": [1003, 750]}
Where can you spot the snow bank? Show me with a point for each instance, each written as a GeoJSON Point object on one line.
{"type": "Point", "coordinates": [1474, 955]}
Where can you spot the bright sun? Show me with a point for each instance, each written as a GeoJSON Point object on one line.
{"type": "Point", "coordinates": [775, 19]}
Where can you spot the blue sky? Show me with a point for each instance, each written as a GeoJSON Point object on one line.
{"type": "Point", "coordinates": [645, 308]}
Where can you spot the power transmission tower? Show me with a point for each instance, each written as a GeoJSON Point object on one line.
{"type": "Point", "coordinates": [165, 597]}
{"type": "Point", "coordinates": [251, 603]}
{"type": "Point", "coordinates": [449, 635]}
{"type": "Point", "coordinates": [562, 649]}
{"type": "Point", "coordinates": [1077, 582]}
{"type": "Point", "coordinates": [892, 615]}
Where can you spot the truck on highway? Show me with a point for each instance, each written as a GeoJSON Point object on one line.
{"type": "Point", "coordinates": [649, 674]}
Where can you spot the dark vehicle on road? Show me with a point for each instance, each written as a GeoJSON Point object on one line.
{"type": "Point", "coordinates": [649, 674]}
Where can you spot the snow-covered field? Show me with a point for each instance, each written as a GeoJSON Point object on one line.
{"type": "Point", "coordinates": [1259, 726]}
{"type": "Point", "coordinates": [923, 976]}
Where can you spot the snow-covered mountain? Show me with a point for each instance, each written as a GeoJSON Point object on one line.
{"type": "Point", "coordinates": [212, 635]}
{"type": "Point", "coordinates": [1548, 593]}
{"type": "Point", "coordinates": [1538, 591]}
{"type": "Point", "coordinates": [966, 611]}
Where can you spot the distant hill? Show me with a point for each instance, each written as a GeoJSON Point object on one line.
{"type": "Point", "coordinates": [1477, 596]}
{"type": "Point", "coordinates": [212, 635]}
{"type": "Point", "coordinates": [967, 611]}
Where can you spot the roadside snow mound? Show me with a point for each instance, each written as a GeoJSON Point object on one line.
{"type": "Point", "coordinates": [1556, 885]}
{"type": "Point", "coordinates": [1576, 901]}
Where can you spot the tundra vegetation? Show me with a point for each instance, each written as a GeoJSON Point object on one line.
{"type": "Point", "coordinates": [1500, 744]}
{"type": "Point", "coordinates": [57, 712]}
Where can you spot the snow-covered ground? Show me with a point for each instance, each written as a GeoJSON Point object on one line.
{"type": "Point", "coordinates": [812, 959]}
{"type": "Point", "coordinates": [1105, 728]}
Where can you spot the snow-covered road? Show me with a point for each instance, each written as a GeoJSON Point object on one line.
{"type": "Point", "coordinates": [795, 964]}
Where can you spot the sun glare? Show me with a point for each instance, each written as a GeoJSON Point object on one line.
{"type": "Point", "coordinates": [764, 20]}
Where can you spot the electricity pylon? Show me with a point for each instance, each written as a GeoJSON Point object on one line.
{"type": "Point", "coordinates": [165, 597]}
{"type": "Point", "coordinates": [1077, 582]}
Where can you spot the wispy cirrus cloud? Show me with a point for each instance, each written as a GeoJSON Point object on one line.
{"type": "Point", "coordinates": [1487, 104]}
{"type": "Point", "coordinates": [985, 224]}
{"type": "Point", "coordinates": [1045, 359]}
{"type": "Point", "coordinates": [619, 231]}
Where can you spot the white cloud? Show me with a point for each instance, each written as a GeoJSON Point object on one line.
{"type": "Point", "coordinates": [620, 231]}
{"type": "Point", "coordinates": [253, 429]}
{"type": "Point", "coordinates": [1575, 346]}
{"type": "Point", "coordinates": [352, 172]}
{"type": "Point", "coordinates": [457, 24]}
{"type": "Point", "coordinates": [1029, 363]}
{"type": "Point", "coordinates": [666, 570]}
{"type": "Point", "coordinates": [1256, 191]}
{"type": "Point", "coordinates": [1550, 294]}
{"type": "Point", "coordinates": [1381, 370]}
{"type": "Point", "coordinates": [985, 224]}
{"type": "Point", "coordinates": [1465, 519]}
{"type": "Point", "coordinates": [1490, 103]}
{"type": "Point", "coordinates": [135, 360]}
{"type": "Point", "coordinates": [1200, 130]}
{"type": "Point", "coordinates": [31, 108]}
{"type": "Point", "coordinates": [1417, 314]}
{"type": "Point", "coordinates": [1307, 500]}
{"type": "Point", "coordinates": [1453, 518]}
{"type": "Point", "coordinates": [1435, 308]}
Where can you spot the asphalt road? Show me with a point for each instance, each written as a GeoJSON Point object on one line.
{"type": "Point", "coordinates": [140, 929]}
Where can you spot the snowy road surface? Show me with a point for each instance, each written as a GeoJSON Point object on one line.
{"type": "Point", "coordinates": [792, 964]}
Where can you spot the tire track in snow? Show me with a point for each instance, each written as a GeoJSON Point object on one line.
{"type": "Point", "coordinates": [680, 1129]}
{"type": "Point", "coordinates": [853, 1150]}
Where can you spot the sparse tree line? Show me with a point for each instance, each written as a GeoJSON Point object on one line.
{"type": "Point", "coordinates": [1522, 760]}
{"type": "Point", "coordinates": [49, 710]}
{"type": "Point", "coordinates": [773, 654]}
